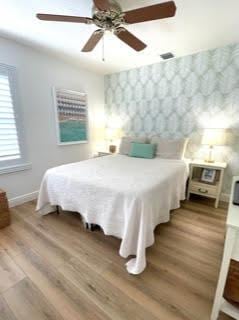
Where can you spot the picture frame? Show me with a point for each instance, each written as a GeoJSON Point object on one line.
{"type": "Point", "coordinates": [71, 116]}
{"type": "Point", "coordinates": [208, 175]}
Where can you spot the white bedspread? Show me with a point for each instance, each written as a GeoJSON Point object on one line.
{"type": "Point", "coordinates": [126, 196]}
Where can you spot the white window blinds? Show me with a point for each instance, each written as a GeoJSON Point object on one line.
{"type": "Point", "coordinates": [10, 150]}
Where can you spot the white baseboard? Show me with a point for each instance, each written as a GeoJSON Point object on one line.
{"type": "Point", "coordinates": [33, 195]}
{"type": "Point", "coordinates": [225, 197]}
{"type": "Point", "coordinates": [22, 199]}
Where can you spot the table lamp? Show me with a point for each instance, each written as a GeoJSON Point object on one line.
{"type": "Point", "coordinates": [112, 134]}
{"type": "Point", "coordinates": [213, 137]}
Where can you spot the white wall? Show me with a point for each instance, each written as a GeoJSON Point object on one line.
{"type": "Point", "coordinates": [37, 74]}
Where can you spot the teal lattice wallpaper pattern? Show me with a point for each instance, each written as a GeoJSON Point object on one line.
{"type": "Point", "coordinates": [180, 97]}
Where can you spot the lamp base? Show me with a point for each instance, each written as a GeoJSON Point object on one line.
{"type": "Point", "coordinates": [210, 158]}
{"type": "Point", "coordinates": [112, 148]}
{"type": "Point", "coordinates": [209, 161]}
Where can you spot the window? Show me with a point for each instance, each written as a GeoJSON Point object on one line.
{"type": "Point", "coordinates": [11, 142]}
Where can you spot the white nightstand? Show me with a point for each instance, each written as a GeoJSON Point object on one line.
{"type": "Point", "coordinates": [103, 154]}
{"type": "Point", "coordinates": [202, 188]}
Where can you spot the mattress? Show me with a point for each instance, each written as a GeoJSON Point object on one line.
{"type": "Point", "coordinates": [128, 197]}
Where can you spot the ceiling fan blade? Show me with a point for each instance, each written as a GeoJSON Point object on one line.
{"type": "Point", "coordinates": [60, 18]}
{"type": "Point", "coordinates": [154, 12]}
{"type": "Point", "coordinates": [130, 39]}
{"type": "Point", "coordinates": [93, 41]}
{"type": "Point", "coordinates": [103, 5]}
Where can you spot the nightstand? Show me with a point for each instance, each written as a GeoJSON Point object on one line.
{"type": "Point", "coordinates": [103, 154]}
{"type": "Point", "coordinates": [198, 176]}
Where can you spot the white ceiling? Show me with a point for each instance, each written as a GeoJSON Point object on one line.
{"type": "Point", "coordinates": [198, 25]}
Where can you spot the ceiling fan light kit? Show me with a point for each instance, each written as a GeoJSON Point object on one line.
{"type": "Point", "coordinates": [109, 16]}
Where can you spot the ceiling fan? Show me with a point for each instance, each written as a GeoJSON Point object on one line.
{"type": "Point", "coordinates": [108, 16]}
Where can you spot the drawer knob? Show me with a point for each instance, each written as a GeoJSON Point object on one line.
{"type": "Point", "coordinates": [202, 190]}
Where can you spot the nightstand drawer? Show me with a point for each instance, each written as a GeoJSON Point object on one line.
{"type": "Point", "coordinates": [203, 189]}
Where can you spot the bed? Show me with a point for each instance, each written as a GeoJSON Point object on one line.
{"type": "Point", "coordinates": [127, 197]}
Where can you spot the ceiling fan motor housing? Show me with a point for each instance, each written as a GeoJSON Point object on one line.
{"type": "Point", "coordinates": [110, 19]}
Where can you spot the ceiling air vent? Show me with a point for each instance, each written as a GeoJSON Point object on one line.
{"type": "Point", "coordinates": [166, 56]}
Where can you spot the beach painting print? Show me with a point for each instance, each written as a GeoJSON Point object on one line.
{"type": "Point", "coordinates": [71, 116]}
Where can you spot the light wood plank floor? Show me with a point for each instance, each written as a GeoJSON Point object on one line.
{"type": "Point", "coordinates": [51, 268]}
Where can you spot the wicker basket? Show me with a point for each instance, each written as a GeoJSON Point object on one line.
{"type": "Point", "coordinates": [231, 292]}
{"type": "Point", "coordinates": [4, 210]}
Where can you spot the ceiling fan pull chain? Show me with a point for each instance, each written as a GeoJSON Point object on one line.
{"type": "Point", "coordinates": [103, 48]}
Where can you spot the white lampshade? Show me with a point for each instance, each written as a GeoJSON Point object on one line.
{"type": "Point", "coordinates": [214, 137]}
{"type": "Point", "coordinates": [112, 133]}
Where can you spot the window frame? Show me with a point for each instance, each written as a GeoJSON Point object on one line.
{"type": "Point", "coordinates": [12, 165]}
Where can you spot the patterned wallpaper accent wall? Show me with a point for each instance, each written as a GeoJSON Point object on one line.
{"type": "Point", "coordinates": [180, 97]}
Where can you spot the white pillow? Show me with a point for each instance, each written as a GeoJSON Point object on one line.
{"type": "Point", "coordinates": [125, 144]}
{"type": "Point", "coordinates": [170, 148]}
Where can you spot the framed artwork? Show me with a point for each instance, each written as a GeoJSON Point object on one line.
{"type": "Point", "coordinates": [71, 111]}
{"type": "Point", "coordinates": [208, 175]}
